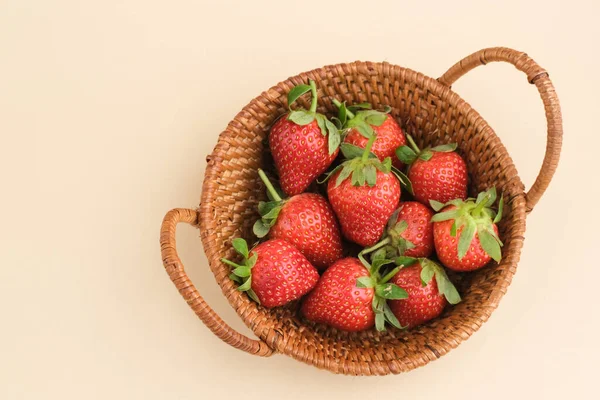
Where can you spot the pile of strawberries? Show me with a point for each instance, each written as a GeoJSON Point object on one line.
{"type": "Point", "coordinates": [392, 278]}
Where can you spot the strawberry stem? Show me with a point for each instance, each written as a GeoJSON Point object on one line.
{"type": "Point", "coordinates": [389, 275]}
{"type": "Point", "coordinates": [269, 185]}
{"type": "Point", "coordinates": [337, 103]}
{"type": "Point", "coordinates": [413, 144]}
{"type": "Point", "coordinates": [377, 246]}
{"type": "Point", "coordinates": [313, 92]}
{"type": "Point", "coordinates": [365, 154]}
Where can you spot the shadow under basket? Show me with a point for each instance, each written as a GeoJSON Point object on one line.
{"type": "Point", "coordinates": [433, 114]}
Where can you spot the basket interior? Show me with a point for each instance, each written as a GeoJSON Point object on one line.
{"type": "Point", "coordinates": [432, 114]}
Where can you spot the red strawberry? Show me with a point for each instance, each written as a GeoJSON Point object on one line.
{"type": "Point", "coordinates": [409, 232]}
{"type": "Point", "coordinates": [437, 174]}
{"type": "Point", "coordinates": [363, 211]}
{"type": "Point", "coordinates": [363, 193]}
{"type": "Point", "coordinates": [465, 232]}
{"type": "Point", "coordinates": [305, 220]}
{"type": "Point", "coordinates": [363, 124]}
{"type": "Point", "coordinates": [427, 297]}
{"type": "Point", "coordinates": [303, 143]}
{"type": "Point", "coordinates": [273, 273]}
{"type": "Point", "coordinates": [351, 296]}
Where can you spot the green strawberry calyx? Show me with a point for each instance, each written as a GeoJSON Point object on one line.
{"type": "Point", "coordinates": [474, 217]}
{"type": "Point", "coordinates": [304, 117]}
{"type": "Point", "coordinates": [429, 270]}
{"type": "Point", "coordinates": [384, 290]}
{"type": "Point", "coordinates": [360, 117]}
{"type": "Point", "coordinates": [268, 210]}
{"type": "Point", "coordinates": [242, 273]}
{"type": "Point", "coordinates": [409, 154]}
{"type": "Point", "coordinates": [392, 244]}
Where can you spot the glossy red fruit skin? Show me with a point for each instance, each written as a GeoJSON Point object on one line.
{"type": "Point", "coordinates": [308, 222]}
{"type": "Point", "coordinates": [336, 301]}
{"type": "Point", "coordinates": [363, 211]}
{"type": "Point", "coordinates": [424, 302]}
{"type": "Point", "coordinates": [420, 228]}
{"type": "Point", "coordinates": [446, 248]}
{"type": "Point", "coordinates": [441, 178]}
{"type": "Point", "coordinates": [281, 273]}
{"type": "Point", "coordinates": [389, 138]}
{"type": "Point", "coordinates": [300, 153]}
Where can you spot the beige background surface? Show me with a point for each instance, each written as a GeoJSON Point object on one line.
{"type": "Point", "coordinates": [107, 111]}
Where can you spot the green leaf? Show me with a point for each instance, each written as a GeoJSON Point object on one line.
{"type": "Point", "coordinates": [492, 197]}
{"type": "Point", "coordinates": [406, 154]}
{"type": "Point", "coordinates": [301, 117]}
{"type": "Point", "coordinates": [246, 285]}
{"type": "Point", "coordinates": [330, 174]}
{"type": "Point", "coordinates": [264, 207]}
{"type": "Point", "coordinates": [321, 122]}
{"type": "Point", "coordinates": [390, 317]}
{"type": "Point", "coordinates": [490, 245]}
{"type": "Point", "coordinates": [426, 155]}
{"type": "Point", "coordinates": [405, 261]}
{"type": "Point", "coordinates": [358, 106]}
{"type": "Point", "coordinates": [444, 284]}
{"type": "Point", "coordinates": [445, 148]}
{"type": "Point", "coordinates": [401, 226]}
{"type": "Point", "coordinates": [296, 92]}
{"type": "Point", "coordinates": [394, 218]}
{"type": "Point", "coordinates": [252, 260]}
{"type": "Point", "coordinates": [242, 272]}
{"type": "Point", "coordinates": [386, 164]}
{"type": "Point", "coordinates": [364, 262]}
{"type": "Point", "coordinates": [380, 322]}
{"type": "Point", "coordinates": [240, 246]}
{"type": "Point", "coordinates": [343, 114]}
{"type": "Point", "coordinates": [371, 175]}
{"type": "Point", "coordinates": [334, 136]}
{"type": "Point", "coordinates": [379, 254]}
{"type": "Point", "coordinates": [376, 119]}
{"type": "Point", "coordinates": [466, 237]}
{"type": "Point", "coordinates": [445, 215]}
{"type": "Point", "coordinates": [235, 278]}
{"type": "Point", "coordinates": [273, 213]}
{"type": "Point", "coordinates": [351, 151]}
{"type": "Point", "coordinates": [364, 129]}
{"type": "Point", "coordinates": [346, 171]}
{"type": "Point", "coordinates": [500, 210]}
{"type": "Point", "coordinates": [453, 229]}
{"type": "Point", "coordinates": [358, 177]}
{"type": "Point", "coordinates": [436, 205]}
{"type": "Point", "coordinates": [365, 282]}
{"type": "Point", "coordinates": [230, 263]}
{"type": "Point", "coordinates": [404, 181]}
{"type": "Point", "coordinates": [387, 109]}
{"type": "Point", "coordinates": [390, 291]}
{"type": "Point", "coordinates": [253, 295]}
{"type": "Point", "coordinates": [427, 273]}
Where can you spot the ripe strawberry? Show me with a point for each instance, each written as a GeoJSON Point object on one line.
{"type": "Point", "coordinates": [409, 232]}
{"type": "Point", "coordinates": [363, 193]}
{"type": "Point", "coordinates": [305, 220]}
{"type": "Point", "coordinates": [351, 296]}
{"type": "Point", "coordinates": [427, 297]}
{"type": "Point", "coordinates": [465, 232]}
{"type": "Point", "coordinates": [303, 143]}
{"type": "Point", "coordinates": [362, 124]}
{"type": "Point", "coordinates": [273, 273]}
{"type": "Point", "coordinates": [437, 174]}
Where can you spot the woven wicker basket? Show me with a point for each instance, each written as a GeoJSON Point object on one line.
{"type": "Point", "coordinates": [429, 111]}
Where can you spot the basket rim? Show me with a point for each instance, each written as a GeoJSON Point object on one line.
{"type": "Point", "coordinates": [275, 339]}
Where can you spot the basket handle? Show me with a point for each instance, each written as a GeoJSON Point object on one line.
{"type": "Point", "coordinates": [189, 292]}
{"type": "Point", "coordinates": [535, 75]}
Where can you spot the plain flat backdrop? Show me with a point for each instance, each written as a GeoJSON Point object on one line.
{"type": "Point", "coordinates": [107, 112]}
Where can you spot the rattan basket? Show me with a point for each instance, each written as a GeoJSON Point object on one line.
{"type": "Point", "coordinates": [432, 113]}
